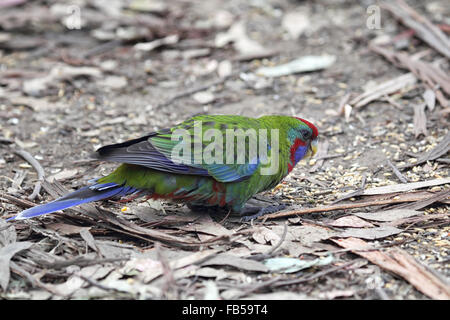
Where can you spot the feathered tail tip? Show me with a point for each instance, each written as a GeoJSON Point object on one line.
{"type": "Point", "coordinates": [86, 194]}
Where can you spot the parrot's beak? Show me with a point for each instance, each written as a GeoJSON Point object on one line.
{"type": "Point", "coordinates": [312, 148]}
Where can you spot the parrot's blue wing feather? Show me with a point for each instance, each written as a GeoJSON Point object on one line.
{"type": "Point", "coordinates": [86, 194]}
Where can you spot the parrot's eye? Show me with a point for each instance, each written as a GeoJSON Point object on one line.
{"type": "Point", "coordinates": [306, 133]}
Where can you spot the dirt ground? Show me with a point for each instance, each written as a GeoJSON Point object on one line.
{"type": "Point", "coordinates": [69, 86]}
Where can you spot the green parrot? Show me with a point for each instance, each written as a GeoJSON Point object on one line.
{"type": "Point", "coordinates": [206, 162]}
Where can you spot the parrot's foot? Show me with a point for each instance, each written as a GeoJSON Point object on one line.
{"type": "Point", "coordinates": [248, 216]}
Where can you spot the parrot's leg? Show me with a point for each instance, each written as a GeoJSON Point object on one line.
{"type": "Point", "coordinates": [250, 213]}
{"type": "Point", "coordinates": [202, 208]}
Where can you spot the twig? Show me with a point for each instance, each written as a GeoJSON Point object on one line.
{"type": "Point", "coordinates": [37, 166]}
{"type": "Point", "coordinates": [96, 283]}
{"type": "Point", "coordinates": [225, 218]}
{"type": "Point", "coordinates": [20, 202]}
{"type": "Point", "coordinates": [259, 257]}
{"type": "Point", "coordinates": [401, 177]}
{"type": "Point", "coordinates": [344, 206]}
{"type": "Point", "coordinates": [392, 102]}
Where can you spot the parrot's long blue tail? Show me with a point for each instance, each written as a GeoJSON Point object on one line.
{"type": "Point", "coordinates": [83, 195]}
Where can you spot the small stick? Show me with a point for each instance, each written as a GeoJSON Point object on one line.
{"type": "Point", "coordinates": [400, 177]}
{"type": "Point", "coordinates": [17, 201]}
{"type": "Point", "coordinates": [37, 166]}
{"type": "Point", "coordinates": [225, 218]}
{"type": "Point", "coordinates": [343, 206]}
{"type": "Point", "coordinates": [267, 255]}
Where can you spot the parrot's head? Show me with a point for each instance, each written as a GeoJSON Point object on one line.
{"type": "Point", "coordinates": [304, 140]}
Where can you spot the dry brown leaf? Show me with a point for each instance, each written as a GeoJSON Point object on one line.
{"type": "Point", "coordinates": [151, 269]}
{"type": "Point", "coordinates": [6, 254]}
{"type": "Point", "coordinates": [264, 235]}
{"type": "Point", "coordinates": [371, 233]}
{"type": "Point", "coordinates": [208, 272]}
{"type": "Point", "coordinates": [350, 221]}
{"type": "Point", "coordinates": [7, 233]}
{"type": "Point", "coordinates": [89, 238]}
{"type": "Point", "coordinates": [388, 215]}
{"type": "Point", "coordinates": [65, 229]}
{"type": "Point", "coordinates": [206, 227]}
{"type": "Point", "coordinates": [63, 175]}
{"type": "Point", "coordinates": [308, 234]}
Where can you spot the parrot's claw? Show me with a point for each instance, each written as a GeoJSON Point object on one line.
{"type": "Point", "coordinates": [260, 212]}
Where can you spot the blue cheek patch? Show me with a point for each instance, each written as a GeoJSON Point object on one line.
{"type": "Point", "coordinates": [300, 153]}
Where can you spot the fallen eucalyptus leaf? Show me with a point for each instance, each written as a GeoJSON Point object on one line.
{"type": "Point", "coordinates": [371, 233]}
{"type": "Point", "coordinates": [289, 265]}
{"type": "Point", "coordinates": [303, 64]}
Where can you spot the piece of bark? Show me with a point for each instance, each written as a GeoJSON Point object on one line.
{"type": "Point", "coordinates": [420, 120]}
